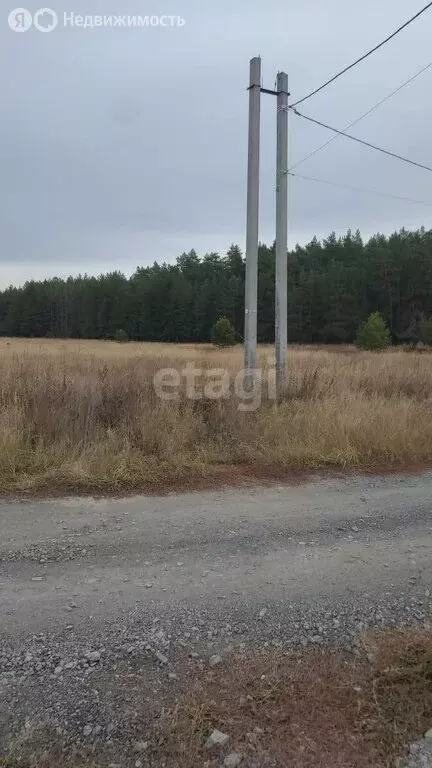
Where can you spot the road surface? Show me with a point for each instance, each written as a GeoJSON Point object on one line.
{"type": "Point", "coordinates": [96, 591]}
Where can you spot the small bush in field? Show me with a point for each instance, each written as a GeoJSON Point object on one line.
{"type": "Point", "coordinates": [373, 334]}
{"type": "Point", "coordinates": [121, 335]}
{"type": "Point", "coordinates": [223, 334]}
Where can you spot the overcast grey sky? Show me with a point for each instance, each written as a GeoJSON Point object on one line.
{"type": "Point", "coordinates": [121, 146]}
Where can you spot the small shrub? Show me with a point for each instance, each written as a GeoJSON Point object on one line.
{"type": "Point", "coordinates": [121, 335]}
{"type": "Point", "coordinates": [223, 334]}
{"type": "Point", "coordinates": [373, 334]}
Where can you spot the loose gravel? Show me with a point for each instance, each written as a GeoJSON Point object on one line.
{"type": "Point", "coordinates": [108, 606]}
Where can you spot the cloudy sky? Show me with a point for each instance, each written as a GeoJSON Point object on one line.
{"type": "Point", "coordinates": [121, 146]}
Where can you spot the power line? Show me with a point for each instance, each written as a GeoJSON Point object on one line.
{"type": "Point", "coordinates": [365, 114]}
{"type": "Point", "coordinates": [362, 58]}
{"type": "Point", "coordinates": [361, 141]}
{"type": "Point", "coordinates": [358, 189]}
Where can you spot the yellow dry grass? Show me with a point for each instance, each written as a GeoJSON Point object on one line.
{"type": "Point", "coordinates": [84, 415]}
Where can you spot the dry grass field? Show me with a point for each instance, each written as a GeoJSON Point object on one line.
{"type": "Point", "coordinates": [84, 415]}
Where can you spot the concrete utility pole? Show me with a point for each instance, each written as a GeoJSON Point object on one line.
{"type": "Point", "coordinates": [251, 282]}
{"type": "Point", "coordinates": [281, 304]}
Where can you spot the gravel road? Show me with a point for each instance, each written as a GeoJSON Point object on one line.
{"type": "Point", "coordinates": [104, 601]}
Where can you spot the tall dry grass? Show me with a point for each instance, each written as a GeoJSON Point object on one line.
{"type": "Point", "coordinates": [85, 416]}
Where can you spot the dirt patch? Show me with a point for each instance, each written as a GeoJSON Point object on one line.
{"type": "Point", "coordinates": [325, 709]}
{"type": "Point", "coordinates": [320, 709]}
{"type": "Point", "coordinates": [218, 478]}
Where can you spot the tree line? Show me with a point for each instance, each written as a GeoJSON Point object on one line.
{"type": "Point", "coordinates": [333, 286]}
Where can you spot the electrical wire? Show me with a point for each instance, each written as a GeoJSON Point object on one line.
{"type": "Point", "coordinates": [361, 141]}
{"type": "Point", "coordinates": [365, 114]}
{"type": "Point", "coordinates": [362, 58]}
{"type": "Point", "coordinates": [358, 189]}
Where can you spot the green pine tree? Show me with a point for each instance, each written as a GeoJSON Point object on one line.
{"type": "Point", "coordinates": [121, 335]}
{"type": "Point", "coordinates": [223, 333]}
{"type": "Point", "coordinates": [373, 334]}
